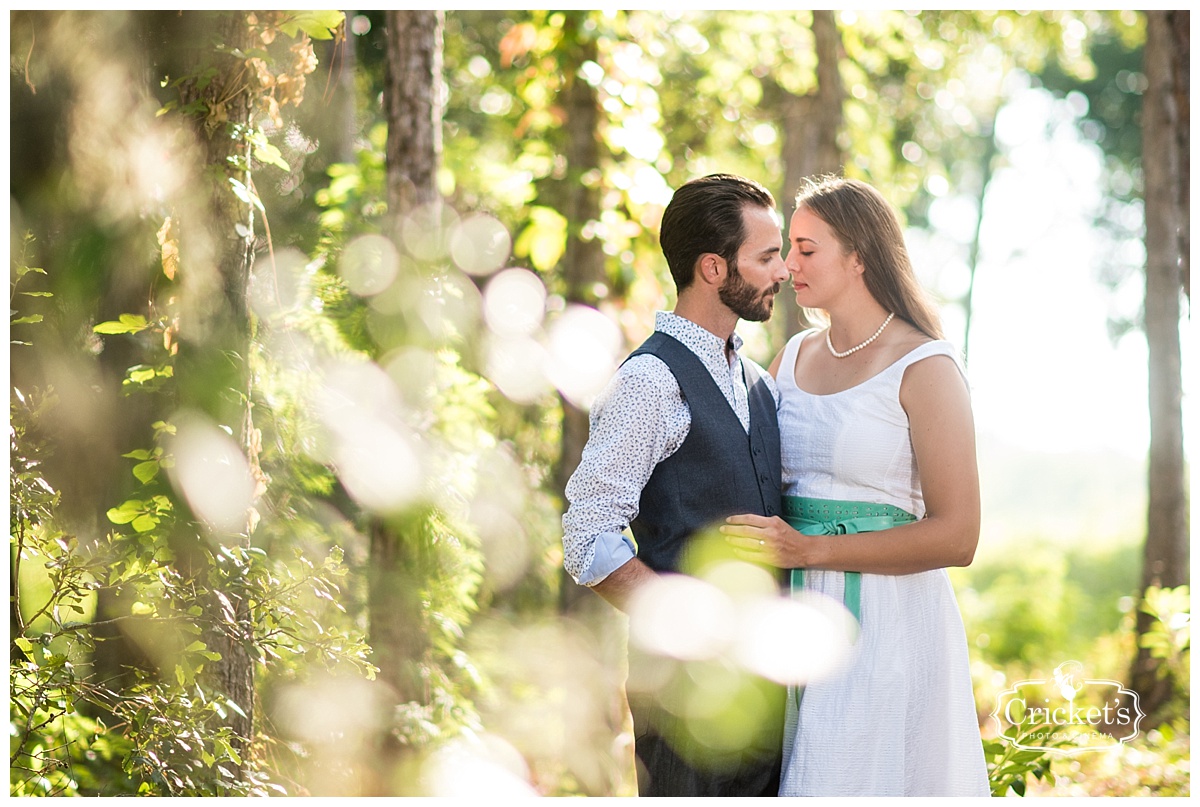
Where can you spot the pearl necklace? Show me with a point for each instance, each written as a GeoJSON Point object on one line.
{"type": "Point", "coordinates": [872, 338]}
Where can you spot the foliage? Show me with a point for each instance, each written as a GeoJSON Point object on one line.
{"type": "Point", "coordinates": [1154, 763]}
{"type": "Point", "coordinates": [163, 731]}
{"type": "Point", "coordinates": [1169, 638]}
{"type": "Point", "coordinates": [1045, 600]}
{"type": "Point", "coordinates": [160, 729]}
{"type": "Point", "coordinates": [1009, 767]}
{"type": "Point", "coordinates": [679, 93]}
{"type": "Point", "coordinates": [1158, 762]}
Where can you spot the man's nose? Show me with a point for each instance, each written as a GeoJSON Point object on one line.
{"type": "Point", "coordinates": [782, 271]}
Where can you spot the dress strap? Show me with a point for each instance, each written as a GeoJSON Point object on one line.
{"type": "Point", "coordinates": [938, 347]}
{"type": "Point", "coordinates": [787, 363]}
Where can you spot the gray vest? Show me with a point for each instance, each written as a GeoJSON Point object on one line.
{"type": "Point", "coordinates": [719, 471]}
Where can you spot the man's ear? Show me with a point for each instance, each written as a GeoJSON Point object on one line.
{"type": "Point", "coordinates": [711, 268]}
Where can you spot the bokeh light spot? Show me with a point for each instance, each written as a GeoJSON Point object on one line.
{"type": "Point", "coordinates": [681, 617]}
{"type": "Point", "coordinates": [212, 473]}
{"type": "Point", "coordinates": [369, 264]}
{"type": "Point", "coordinates": [514, 303]}
{"type": "Point", "coordinates": [516, 365]}
{"type": "Point", "coordinates": [480, 245]}
{"type": "Point", "coordinates": [426, 231]}
{"type": "Point", "coordinates": [820, 636]}
{"type": "Point", "coordinates": [374, 452]}
{"type": "Point", "coordinates": [486, 769]}
{"type": "Point", "coordinates": [583, 349]}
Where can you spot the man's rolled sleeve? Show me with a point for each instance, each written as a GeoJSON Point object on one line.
{"type": "Point", "coordinates": [610, 551]}
{"type": "Point", "coordinates": [639, 420]}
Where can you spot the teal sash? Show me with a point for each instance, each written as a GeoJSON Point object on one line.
{"type": "Point", "coordinates": [829, 517]}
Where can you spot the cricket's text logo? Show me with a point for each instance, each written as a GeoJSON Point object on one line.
{"type": "Point", "coordinates": [1067, 713]}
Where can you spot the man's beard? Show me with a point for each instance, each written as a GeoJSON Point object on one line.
{"type": "Point", "coordinates": [749, 303]}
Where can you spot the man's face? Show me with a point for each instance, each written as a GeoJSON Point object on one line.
{"type": "Point", "coordinates": [755, 276]}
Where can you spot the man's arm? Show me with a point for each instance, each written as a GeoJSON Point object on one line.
{"type": "Point", "coordinates": [618, 588]}
{"type": "Point", "coordinates": [639, 420]}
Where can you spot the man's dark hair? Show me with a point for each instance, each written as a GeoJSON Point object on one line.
{"type": "Point", "coordinates": [705, 215]}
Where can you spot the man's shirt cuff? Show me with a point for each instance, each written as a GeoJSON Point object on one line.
{"type": "Point", "coordinates": [612, 551]}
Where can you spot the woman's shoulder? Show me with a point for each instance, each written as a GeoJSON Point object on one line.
{"type": "Point", "coordinates": [932, 359]}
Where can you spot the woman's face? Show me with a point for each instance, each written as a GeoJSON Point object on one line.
{"type": "Point", "coordinates": [817, 262]}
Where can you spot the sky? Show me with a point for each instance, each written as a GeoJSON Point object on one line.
{"type": "Point", "coordinates": [1045, 374]}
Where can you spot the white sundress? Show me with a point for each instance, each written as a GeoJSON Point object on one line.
{"type": "Point", "coordinates": [898, 718]}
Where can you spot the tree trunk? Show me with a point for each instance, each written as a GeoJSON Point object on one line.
{"type": "Point", "coordinates": [583, 271]}
{"type": "Point", "coordinates": [1166, 553]}
{"type": "Point", "coordinates": [583, 261]}
{"type": "Point", "coordinates": [987, 164]}
{"type": "Point", "coordinates": [1181, 72]}
{"type": "Point", "coordinates": [811, 124]}
{"type": "Point", "coordinates": [414, 111]}
{"type": "Point", "coordinates": [396, 617]}
{"type": "Point", "coordinates": [343, 62]}
{"type": "Point", "coordinates": [217, 238]}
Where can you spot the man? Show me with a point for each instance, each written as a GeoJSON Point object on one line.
{"type": "Point", "coordinates": [685, 435]}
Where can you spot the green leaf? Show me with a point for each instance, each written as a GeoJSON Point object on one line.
{"type": "Point", "coordinates": [317, 24]}
{"type": "Point", "coordinates": [146, 471]}
{"type": "Point", "coordinates": [265, 152]}
{"type": "Point", "coordinates": [145, 523]}
{"type": "Point", "coordinates": [141, 609]}
{"type": "Point", "coordinates": [126, 323]}
{"type": "Point", "coordinates": [545, 239]}
{"type": "Point", "coordinates": [27, 320]}
{"type": "Point", "coordinates": [125, 513]}
{"type": "Point", "coordinates": [245, 194]}
{"type": "Point", "coordinates": [138, 454]}
{"type": "Point", "coordinates": [141, 374]}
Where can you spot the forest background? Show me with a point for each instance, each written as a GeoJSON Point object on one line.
{"type": "Point", "coordinates": [308, 309]}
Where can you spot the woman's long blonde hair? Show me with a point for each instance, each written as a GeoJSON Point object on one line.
{"type": "Point", "coordinates": [865, 223]}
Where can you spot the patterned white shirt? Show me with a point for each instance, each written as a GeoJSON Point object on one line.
{"type": "Point", "coordinates": [638, 421]}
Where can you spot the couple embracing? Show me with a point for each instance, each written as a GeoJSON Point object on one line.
{"type": "Point", "coordinates": [849, 466]}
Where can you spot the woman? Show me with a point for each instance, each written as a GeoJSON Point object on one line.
{"type": "Point", "coordinates": [881, 494]}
